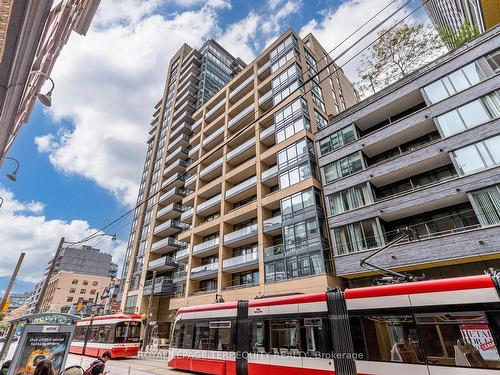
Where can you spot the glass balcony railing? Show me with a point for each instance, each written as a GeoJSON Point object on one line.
{"type": "Point", "coordinates": [240, 260]}
{"type": "Point", "coordinates": [269, 173]}
{"type": "Point", "coordinates": [182, 254]}
{"type": "Point", "coordinates": [209, 268]}
{"type": "Point", "coordinates": [168, 243]}
{"type": "Point", "coordinates": [263, 68]}
{"type": "Point", "coordinates": [267, 132]}
{"type": "Point", "coordinates": [174, 207]}
{"type": "Point", "coordinates": [197, 123]}
{"type": "Point", "coordinates": [187, 214]}
{"type": "Point", "coordinates": [238, 89]}
{"type": "Point", "coordinates": [213, 136]}
{"type": "Point", "coordinates": [211, 167]}
{"type": "Point", "coordinates": [209, 203]}
{"type": "Point", "coordinates": [194, 150]}
{"type": "Point", "coordinates": [240, 234]}
{"type": "Point", "coordinates": [179, 276]}
{"type": "Point", "coordinates": [272, 223]}
{"type": "Point", "coordinates": [214, 109]}
{"type": "Point", "coordinates": [264, 98]}
{"type": "Point", "coordinates": [274, 250]}
{"type": "Point", "coordinates": [205, 246]}
{"type": "Point", "coordinates": [174, 224]}
{"type": "Point", "coordinates": [163, 262]}
{"type": "Point", "coordinates": [241, 187]}
{"type": "Point", "coordinates": [241, 116]}
{"type": "Point", "coordinates": [238, 150]}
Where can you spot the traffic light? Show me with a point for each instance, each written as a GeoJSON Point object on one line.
{"type": "Point", "coordinates": [6, 306]}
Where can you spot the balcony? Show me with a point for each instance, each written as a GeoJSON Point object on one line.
{"type": "Point", "coordinates": [165, 263]}
{"type": "Point", "coordinates": [170, 227]}
{"type": "Point", "coordinates": [266, 97]}
{"type": "Point", "coordinates": [206, 271]}
{"type": "Point", "coordinates": [178, 166]}
{"type": "Point", "coordinates": [242, 190]}
{"type": "Point", "coordinates": [241, 116]}
{"type": "Point", "coordinates": [273, 225]}
{"type": "Point", "coordinates": [212, 170]}
{"type": "Point", "coordinates": [177, 180]}
{"type": "Point", "coordinates": [210, 206]}
{"type": "Point", "coordinates": [163, 286]}
{"type": "Point", "coordinates": [242, 152]}
{"type": "Point", "coordinates": [233, 96]}
{"type": "Point", "coordinates": [184, 129]}
{"type": "Point", "coordinates": [190, 182]}
{"type": "Point", "coordinates": [241, 236]}
{"type": "Point", "coordinates": [264, 69]}
{"type": "Point", "coordinates": [241, 263]}
{"type": "Point", "coordinates": [197, 123]}
{"type": "Point", "coordinates": [170, 212]}
{"type": "Point", "coordinates": [207, 247]}
{"type": "Point", "coordinates": [182, 255]}
{"type": "Point", "coordinates": [174, 195]}
{"type": "Point", "coordinates": [269, 174]}
{"type": "Point", "coordinates": [216, 135]}
{"type": "Point", "coordinates": [179, 153]}
{"type": "Point", "coordinates": [215, 109]}
{"type": "Point", "coordinates": [187, 215]}
{"type": "Point", "coordinates": [267, 135]}
{"type": "Point", "coordinates": [181, 140]}
{"type": "Point", "coordinates": [166, 245]}
{"type": "Point", "coordinates": [179, 277]}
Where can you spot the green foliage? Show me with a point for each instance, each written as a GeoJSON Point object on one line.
{"type": "Point", "coordinates": [455, 39]}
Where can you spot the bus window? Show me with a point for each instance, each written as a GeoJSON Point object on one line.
{"type": "Point", "coordinates": [134, 332]}
{"type": "Point", "coordinates": [220, 336]}
{"type": "Point", "coordinates": [458, 339]}
{"type": "Point", "coordinates": [285, 337]}
{"type": "Point", "coordinates": [80, 333]}
{"type": "Point", "coordinates": [390, 338]}
{"type": "Point", "coordinates": [201, 336]}
{"type": "Point", "coordinates": [102, 333]}
{"type": "Point", "coordinates": [121, 332]}
{"type": "Point", "coordinates": [316, 336]}
{"type": "Point", "coordinates": [258, 337]}
{"type": "Point", "coordinates": [186, 335]}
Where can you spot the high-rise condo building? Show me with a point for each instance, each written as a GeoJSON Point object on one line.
{"type": "Point", "coordinates": [236, 211]}
{"type": "Point", "coordinates": [422, 154]}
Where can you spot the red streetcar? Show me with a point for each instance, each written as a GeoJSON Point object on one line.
{"type": "Point", "coordinates": [437, 327]}
{"type": "Point", "coordinates": [118, 334]}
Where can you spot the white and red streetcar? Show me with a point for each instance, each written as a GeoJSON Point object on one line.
{"type": "Point", "coordinates": [119, 334]}
{"type": "Point", "coordinates": [437, 327]}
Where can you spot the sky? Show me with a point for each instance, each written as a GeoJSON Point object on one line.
{"type": "Point", "coordinates": [81, 160]}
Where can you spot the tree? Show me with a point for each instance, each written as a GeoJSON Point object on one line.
{"type": "Point", "coordinates": [457, 38]}
{"type": "Point", "coordinates": [396, 53]}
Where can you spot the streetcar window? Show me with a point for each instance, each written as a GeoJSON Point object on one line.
{"type": "Point", "coordinates": [175, 334]}
{"type": "Point", "coordinates": [80, 333]}
{"type": "Point", "coordinates": [220, 336]}
{"type": "Point", "coordinates": [258, 337]}
{"type": "Point", "coordinates": [285, 337]}
{"type": "Point", "coordinates": [127, 331]}
{"type": "Point", "coordinates": [186, 335]}
{"type": "Point", "coordinates": [462, 339]}
{"type": "Point", "coordinates": [201, 335]}
{"type": "Point", "coordinates": [101, 333]}
{"type": "Point", "coordinates": [391, 338]}
{"type": "Point", "coordinates": [317, 334]}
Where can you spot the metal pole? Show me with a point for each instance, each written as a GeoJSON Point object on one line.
{"type": "Point", "coordinates": [148, 316]}
{"type": "Point", "coordinates": [11, 282]}
{"type": "Point", "coordinates": [49, 275]}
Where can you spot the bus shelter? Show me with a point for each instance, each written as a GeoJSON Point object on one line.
{"type": "Point", "coordinates": [45, 336]}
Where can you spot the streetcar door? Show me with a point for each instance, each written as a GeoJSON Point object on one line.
{"type": "Point", "coordinates": [242, 335]}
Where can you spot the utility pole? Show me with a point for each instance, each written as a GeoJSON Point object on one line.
{"type": "Point", "coordinates": [49, 276]}
{"type": "Point", "coordinates": [11, 282]}
{"type": "Point", "coordinates": [148, 316]}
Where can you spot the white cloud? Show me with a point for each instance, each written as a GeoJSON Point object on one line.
{"type": "Point", "coordinates": [239, 38]}
{"type": "Point", "coordinates": [25, 229]}
{"type": "Point", "coordinates": [337, 24]}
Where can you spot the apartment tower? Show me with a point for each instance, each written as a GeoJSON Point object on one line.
{"type": "Point", "coordinates": [424, 154]}
{"type": "Point", "coordinates": [237, 211]}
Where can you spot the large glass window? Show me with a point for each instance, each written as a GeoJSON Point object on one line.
{"type": "Point", "coordinates": [338, 139]}
{"type": "Point", "coordinates": [291, 119]}
{"type": "Point", "coordinates": [285, 337]}
{"type": "Point", "coordinates": [286, 83]}
{"type": "Point", "coordinates": [463, 339]}
{"type": "Point", "coordinates": [454, 82]}
{"type": "Point", "coordinates": [344, 167]}
{"type": "Point", "coordinates": [282, 47]}
{"type": "Point", "coordinates": [470, 115]}
{"type": "Point", "coordinates": [478, 156]}
{"type": "Point", "coordinates": [297, 174]}
{"type": "Point", "coordinates": [350, 199]}
{"type": "Point", "coordinates": [297, 202]}
{"type": "Point", "coordinates": [358, 236]}
{"type": "Point", "coordinates": [321, 122]}
{"type": "Point", "coordinates": [488, 201]}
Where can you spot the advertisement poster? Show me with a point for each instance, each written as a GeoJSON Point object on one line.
{"type": "Point", "coordinates": [480, 337]}
{"type": "Point", "coordinates": [39, 346]}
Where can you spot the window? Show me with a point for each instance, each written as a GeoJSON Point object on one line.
{"type": "Point", "coordinates": [291, 119]}
{"type": "Point", "coordinates": [317, 95]}
{"type": "Point", "coordinates": [293, 154]}
{"type": "Point", "coordinates": [283, 46]}
{"type": "Point", "coordinates": [338, 139]}
{"type": "Point", "coordinates": [493, 60]}
{"type": "Point", "coordinates": [212, 335]}
{"type": "Point", "coordinates": [283, 60]}
{"type": "Point", "coordinates": [72, 290]}
{"type": "Point", "coordinates": [297, 202]}
{"type": "Point", "coordinates": [470, 115]}
{"type": "Point", "coordinates": [286, 83]}
{"type": "Point", "coordinates": [462, 339]}
{"type": "Point", "coordinates": [245, 278]}
{"type": "Point", "coordinates": [344, 167]}
{"type": "Point", "coordinates": [358, 236]}
{"type": "Point", "coordinates": [318, 337]}
{"type": "Point", "coordinates": [350, 199]}
{"type": "Point", "coordinates": [93, 291]}
{"type": "Point", "coordinates": [85, 282]}
{"type": "Point", "coordinates": [83, 291]}
{"type": "Point", "coordinates": [488, 201]}
{"type": "Point", "coordinates": [95, 283]}
{"type": "Point", "coordinates": [69, 299]}
{"type": "Point", "coordinates": [285, 337]}
{"type": "Point", "coordinates": [74, 282]}
{"type": "Point", "coordinates": [127, 331]}
{"type": "Point", "coordinates": [389, 338]}
{"type": "Point", "coordinates": [478, 156]}
{"type": "Point", "coordinates": [296, 175]}
{"type": "Point", "coordinates": [321, 122]}
{"type": "Point", "coordinates": [453, 83]}
{"type": "Point", "coordinates": [258, 337]}
{"type": "Point", "coordinates": [130, 305]}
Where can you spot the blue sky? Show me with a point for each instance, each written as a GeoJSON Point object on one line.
{"type": "Point", "coordinates": [82, 158]}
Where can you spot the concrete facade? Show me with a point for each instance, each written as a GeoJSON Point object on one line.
{"type": "Point", "coordinates": [406, 148]}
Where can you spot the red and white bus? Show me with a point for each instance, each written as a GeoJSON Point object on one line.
{"type": "Point", "coordinates": [437, 327]}
{"type": "Point", "coordinates": [118, 334]}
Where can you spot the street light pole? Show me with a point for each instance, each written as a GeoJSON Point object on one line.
{"type": "Point", "coordinates": [148, 316]}
{"type": "Point", "coordinates": [11, 282]}
{"type": "Point", "coordinates": [49, 276]}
